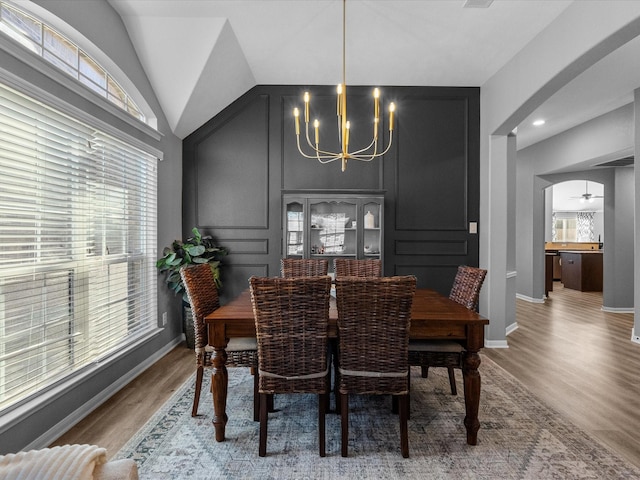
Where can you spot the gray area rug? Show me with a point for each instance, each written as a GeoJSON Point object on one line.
{"type": "Point", "coordinates": [519, 437]}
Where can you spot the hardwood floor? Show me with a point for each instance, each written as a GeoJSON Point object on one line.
{"type": "Point", "coordinates": [119, 418]}
{"type": "Point", "coordinates": [580, 361]}
{"type": "Point", "coordinates": [573, 356]}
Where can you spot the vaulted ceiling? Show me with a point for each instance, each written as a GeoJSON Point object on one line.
{"type": "Point", "coordinates": [200, 55]}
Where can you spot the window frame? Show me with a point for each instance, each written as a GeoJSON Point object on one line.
{"type": "Point", "coordinates": [16, 50]}
{"type": "Point", "coordinates": [54, 103]}
{"type": "Point", "coordinates": [58, 50]}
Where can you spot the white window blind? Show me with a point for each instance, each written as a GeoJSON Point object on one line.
{"type": "Point", "coordinates": [77, 246]}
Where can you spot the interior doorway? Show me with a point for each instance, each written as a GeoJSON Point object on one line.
{"type": "Point", "coordinates": [574, 235]}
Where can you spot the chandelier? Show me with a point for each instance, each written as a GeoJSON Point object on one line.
{"type": "Point", "coordinates": [365, 154]}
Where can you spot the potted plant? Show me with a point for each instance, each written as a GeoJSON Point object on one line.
{"type": "Point", "coordinates": [193, 250]}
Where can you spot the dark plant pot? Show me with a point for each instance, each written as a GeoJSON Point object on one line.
{"type": "Point", "coordinates": [187, 325]}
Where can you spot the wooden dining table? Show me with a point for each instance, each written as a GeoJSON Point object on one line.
{"type": "Point", "coordinates": [433, 316]}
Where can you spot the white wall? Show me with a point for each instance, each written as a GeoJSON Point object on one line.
{"type": "Point", "coordinates": [549, 161]}
{"type": "Point", "coordinates": [583, 34]}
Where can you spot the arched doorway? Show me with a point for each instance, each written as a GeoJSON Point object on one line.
{"type": "Point", "coordinates": [574, 235]}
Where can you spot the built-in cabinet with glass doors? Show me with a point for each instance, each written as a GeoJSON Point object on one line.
{"type": "Point", "coordinates": [333, 225]}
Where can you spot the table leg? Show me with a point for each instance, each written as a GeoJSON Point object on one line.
{"type": "Point", "coordinates": [219, 384]}
{"type": "Point", "coordinates": [470, 364]}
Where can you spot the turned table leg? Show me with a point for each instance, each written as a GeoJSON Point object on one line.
{"type": "Point", "coordinates": [219, 384]}
{"type": "Point", "coordinates": [470, 364]}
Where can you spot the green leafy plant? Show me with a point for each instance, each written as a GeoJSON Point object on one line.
{"type": "Point", "coordinates": [193, 250]}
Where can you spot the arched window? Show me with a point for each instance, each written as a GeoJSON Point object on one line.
{"type": "Point", "coordinates": [61, 52]}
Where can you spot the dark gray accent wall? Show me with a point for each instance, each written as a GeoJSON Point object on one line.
{"type": "Point", "coordinates": [237, 165]}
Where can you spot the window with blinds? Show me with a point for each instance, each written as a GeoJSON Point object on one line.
{"type": "Point", "coordinates": [77, 246]}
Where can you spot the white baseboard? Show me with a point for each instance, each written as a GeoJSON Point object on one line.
{"type": "Point", "coordinates": [529, 299]}
{"type": "Point", "coordinates": [72, 419]}
{"type": "Point", "coordinates": [495, 344]}
{"type": "Point", "coordinates": [511, 328]}
{"type": "Point", "coordinates": [618, 309]}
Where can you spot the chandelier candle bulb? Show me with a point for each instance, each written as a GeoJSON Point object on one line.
{"type": "Point", "coordinates": [392, 109]}
{"type": "Point", "coordinates": [316, 125]}
{"type": "Point", "coordinates": [376, 103]}
{"type": "Point", "coordinates": [296, 114]}
{"type": "Point", "coordinates": [306, 107]}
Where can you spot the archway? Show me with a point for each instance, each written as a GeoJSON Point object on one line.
{"type": "Point", "coordinates": [574, 224]}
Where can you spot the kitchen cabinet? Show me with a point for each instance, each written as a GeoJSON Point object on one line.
{"type": "Point", "coordinates": [548, 273]}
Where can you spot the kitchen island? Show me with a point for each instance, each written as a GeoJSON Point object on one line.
{"type": "Point", "coordinates": [582, 270]}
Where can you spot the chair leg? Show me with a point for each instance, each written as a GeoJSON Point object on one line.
{"type": "Point", "coordinates": [196, 396]}
{"type": "Point", "coordinates": [394, 398]}
{"type": "Point", "coordinates": [333, 351]}
{"type": "Point", "coordinates": [256, 397]}
{"type": "Point", "coordinates": [344, 416]}
{"type": "Point", "coordinates": [262, 449]}
{"type": "Point", "coordinates": [452, 381]}
{"type": "Point", "coordinates": [425, 371]}
{"type": "Point", "coordinates": [409, 395]}
{"type": "Point", "coordinates": [403, 401]}
{"type": "Point", "coordinates": [323, 400]}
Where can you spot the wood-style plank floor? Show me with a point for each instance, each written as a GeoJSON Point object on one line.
{"type": "Point", "coordinates": [574, 357]}
{"type": "Point", "coordinates": [580, 361]}
{"type": "Point", "coordinates": [113, 423]}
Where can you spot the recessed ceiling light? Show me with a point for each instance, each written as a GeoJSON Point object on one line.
{"type": "Point", "coordinates": [477, 3]}
{"type": "Point", "coordinates": [538, 123]}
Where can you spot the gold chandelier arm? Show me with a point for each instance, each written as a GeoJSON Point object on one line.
{"type": "Point", "coordinates": [368, 158]}
{"type": "Point", "coordinates": [373, 144]}
{"type": "Point", "coordinates": [306, 131]}
{"type": "Point", "coordinates": [305, 155]}
{"type": "Point", "coordinates": [320, 155]}
{"type": "Point", "coordinates": [318, 151]}
{"type": "Point", "coordinates": [328, 160]}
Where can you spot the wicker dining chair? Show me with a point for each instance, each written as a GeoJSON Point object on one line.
{"type": "Point", "coordinates": [202, 293]}
{"type": "Point", "coordinates": [349, 267]}
{"type": "Point", "coordinates": [292, 316]}
{"type": "Point", "coordinates": [303, 267]}
{"type": "Point", "coordinates": [374, 318]}
{"type": "Point", "coordinates": [424, 353]}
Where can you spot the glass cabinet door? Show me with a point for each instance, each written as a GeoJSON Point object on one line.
{"type": "Point", "coordinates": [372, 222]}
{"type": "Point", "coordinates": [294, 229]}
{"type": "Point", "coordinates": [332, 230]}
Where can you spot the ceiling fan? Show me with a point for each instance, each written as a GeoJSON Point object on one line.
{"type": "Point", "coordinates": [586, 196]}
